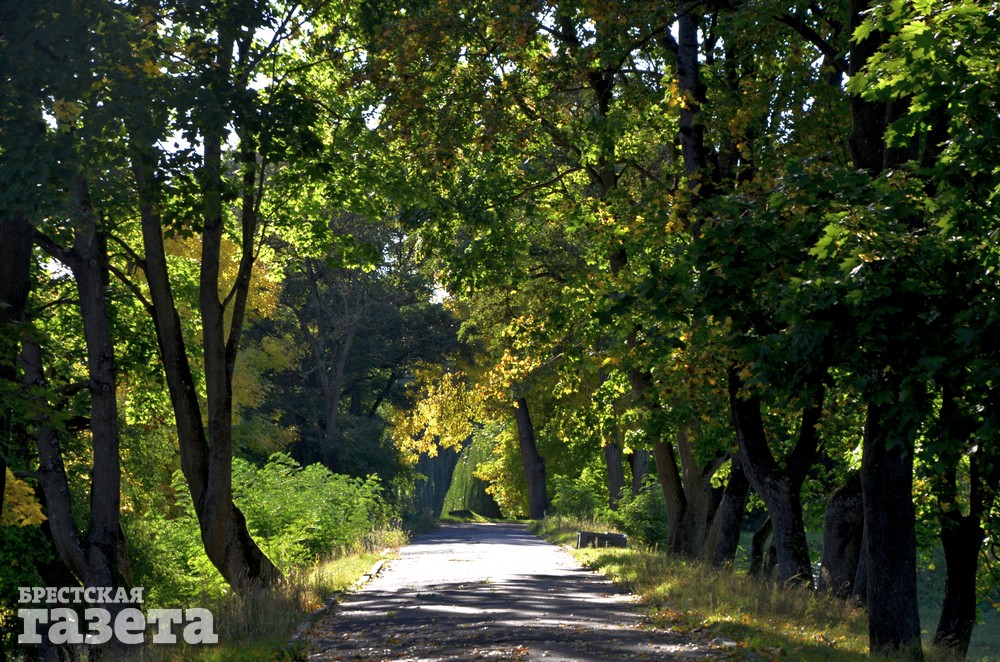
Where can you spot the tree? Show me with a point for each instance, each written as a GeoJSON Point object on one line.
{"type": "Point", "coordinates": [205, 90]}
{"type": "Point", "coordinates": [935, 118]}
{"type": "Point", "coordinates": [23, 134]}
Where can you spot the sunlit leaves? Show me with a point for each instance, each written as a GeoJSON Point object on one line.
{"type": "Point", "coordinates": [20, 506]}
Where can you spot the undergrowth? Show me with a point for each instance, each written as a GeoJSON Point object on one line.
{"type": "Point", "coordinates": [259, 626]}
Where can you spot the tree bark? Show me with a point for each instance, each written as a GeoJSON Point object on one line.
{"type": "Point", "coordinates": [534, 465]}
{"type": "Point", "coordinates": [638, 462]}
{"type": "Point", "coordinates": [699, 496]}
{"type": "Point", "coordinates": [889, 556]}
{"type": "Point", "coordinates": [96, 559]}
{"type": "Point", "coordinates": [730, 515]}
{"type": "Point", "coordinates": [890, 536]}
{"type": "Point", "coordinates": [962, 538]}
{"type": "Point", "coordinates": [206, 451]}
{"type": "Point", "coordinates": [690, 125]}
{"type": "Point", "coordinates": [613, 461]}
{"type": "Point", "coordinates": [780, 489]}
{"type": "Point", "coordinates": [89, 266]}
{"type": "Point", "coordinates": [673, 491]}
{"type": "Point", "coordinates": [758, 549]}
{"type": "Point", "coordinates": [962, 535]}
{"type": "Point", "coordinates": [843, 529]}
{"type": "Point", "coordinates": [859, 592]}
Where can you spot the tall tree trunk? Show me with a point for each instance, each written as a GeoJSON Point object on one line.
{"type": "Point", "coordinates": [699, 495]}
{"type": "Point", "coordinates": [613, 461]}
{"type": "Point", "coordinates": [673, 491]}
{"type": "Point", "coordinates": [780, 489]}
{"type": "Point", "coordinates": [890, 536]}
{"type": "Point", "coordinates": [690, 125]}
{"type": "Point", "coordinates": [206, 454]}
{"type": "Point", "coordinates": [887, 463]}
{"type": "Point", "coordinates": [89, 266]}
{"type": "Point", "coordinates": [638, 461]}
{"type": "Point", "coordinates": [534, 465]}
{"type": "Point", "coordinates": [96, 558]}
{"type": "Point", "coordinates": [331, 364]}
{"type": "Point", "coordinates": [962, 535]}
{"type": "Point", "coordinates": [962, 538]}
{"type": "Point", "coordinates": [730, 515]}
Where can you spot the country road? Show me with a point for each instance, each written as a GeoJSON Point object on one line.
{"type": "Point", "coordinates": [490, 591]}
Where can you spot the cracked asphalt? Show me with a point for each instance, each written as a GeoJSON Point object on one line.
{"type": "Point", "coordinates": [490, 591]}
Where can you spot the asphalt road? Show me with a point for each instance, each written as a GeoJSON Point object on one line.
{"type": "Point", "coordinates": [490, 591]}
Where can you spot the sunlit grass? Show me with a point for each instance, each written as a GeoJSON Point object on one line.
{"type": "Point", "coordinates": [469, 516]}
{"type": "Point", "coordinates": [260, 625]}
{"type": "Point", "coordinates": [691, 597]}
{"type": "Point", "coordinates": [773, 620]}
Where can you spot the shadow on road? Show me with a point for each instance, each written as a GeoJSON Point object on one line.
{"type": "Point", "coordinates": [482, 591]}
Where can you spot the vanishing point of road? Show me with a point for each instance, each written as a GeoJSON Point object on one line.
{"type": "Point", "coordinates": [492, 592]}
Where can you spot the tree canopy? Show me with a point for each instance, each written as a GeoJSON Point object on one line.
{"type": "Point", "coordinates": [705, 259]}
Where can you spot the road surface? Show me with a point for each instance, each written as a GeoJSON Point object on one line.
{"type": "Point", "coordinates": [493, 592]}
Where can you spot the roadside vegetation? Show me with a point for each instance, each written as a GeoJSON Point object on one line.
{"type": "Point", "coordinates": [775, 621]}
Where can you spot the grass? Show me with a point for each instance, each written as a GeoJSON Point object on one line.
{"type": "Point", "coordinates": [470, 516]}
{"type": "Point", "coordinates": [771, 620]}
{"type": "Point", "coordinates": [259, 626]}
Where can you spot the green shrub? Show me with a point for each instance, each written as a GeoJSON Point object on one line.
{"type": "Point", "coordinates": [296, 514]}
{"type": "Point", "coordinates": [644, 516]}
{"type": "Point", "coordinates": [300, 513]}
{"type": "Point", "coordinates": [584, 497]}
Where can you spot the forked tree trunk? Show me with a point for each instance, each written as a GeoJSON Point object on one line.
{"type": "Point", "coordinates": [699, 495]}
{"type": "Point", "coordinates": [534, 465]}
{"type": "Point", "coordinates": [206, 450]}
{"type": "Point", "coordinates": [687, 490]}
{"type": "Point", "coordinates": [780, 489]}
{"type": "Point", "coordinates": [98, 558]}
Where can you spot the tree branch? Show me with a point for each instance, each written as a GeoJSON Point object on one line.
{"type": "Point", "coordinates": [838, 60]}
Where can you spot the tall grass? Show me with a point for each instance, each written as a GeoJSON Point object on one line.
{"type": "Point", "coordinates": [692, 598]}
{"type": "Point", "coordinates": [259, 625]}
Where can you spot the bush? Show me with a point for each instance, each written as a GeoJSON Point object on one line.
{"type": "Point", "coordinates": [296, 515]}
{"type": "Point", "coordinates": [644, 516]}
{"type": "Point", "coordinates": [584, 497]}
{"type": "Point", "coordinates": [300, 513]}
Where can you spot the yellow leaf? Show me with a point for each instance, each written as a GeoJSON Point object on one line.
{"type": "Point", "coordinates": [20, 507]}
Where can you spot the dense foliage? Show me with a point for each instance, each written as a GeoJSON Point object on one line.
{"type": "Point", "coordinates": [656, 261]}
